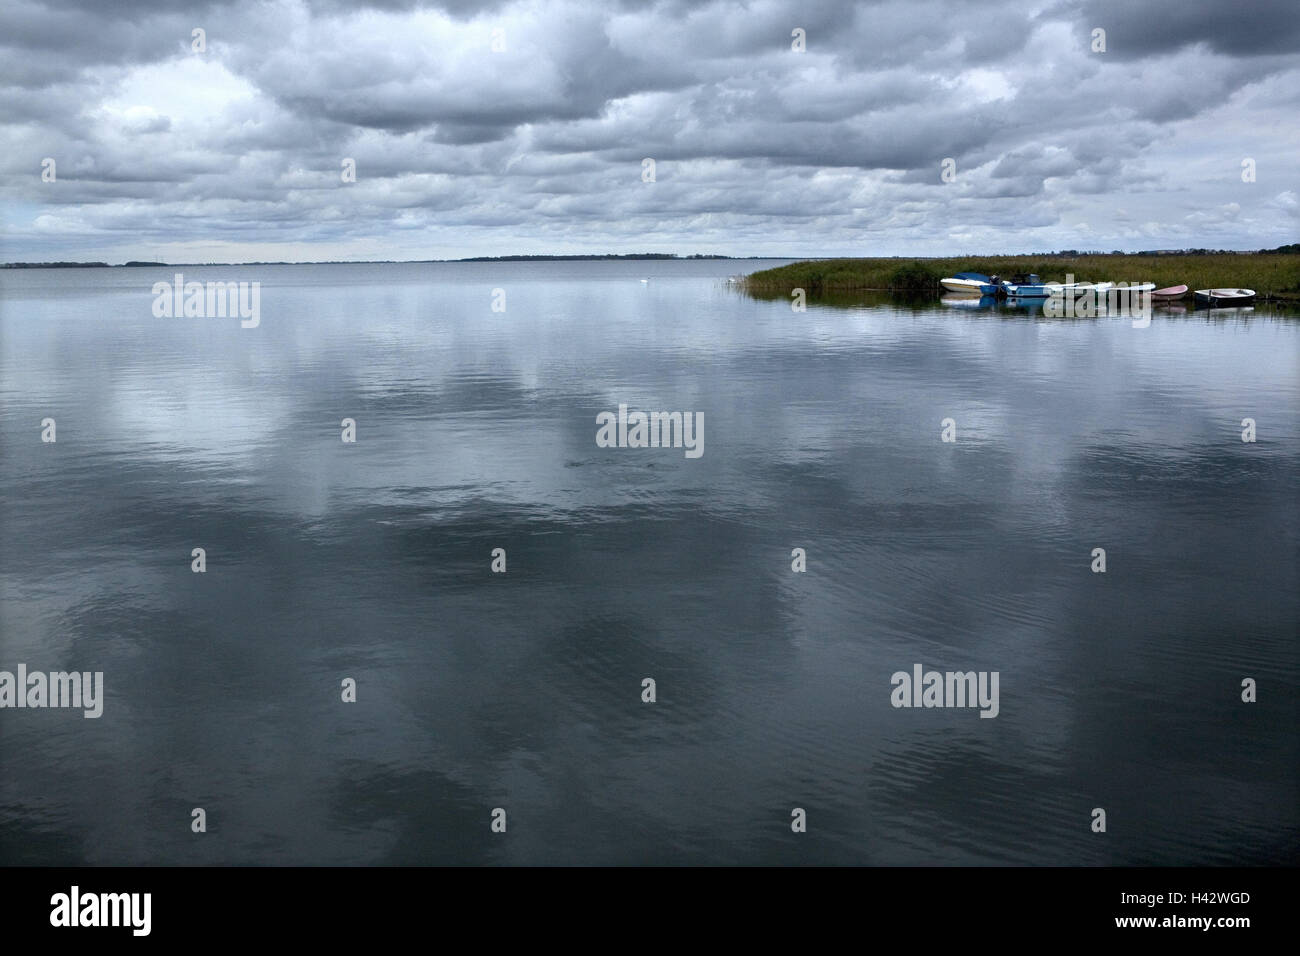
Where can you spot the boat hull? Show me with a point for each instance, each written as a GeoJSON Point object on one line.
{"type": "Point", "coordinates": [962, 286]}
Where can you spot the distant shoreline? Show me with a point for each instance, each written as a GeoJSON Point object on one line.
{"type": "Point", "coordinates": [647, 256]}
{"type": "Point", "coordinates": [1065, 254]}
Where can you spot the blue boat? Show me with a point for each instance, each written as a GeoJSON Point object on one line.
{"type": "Point", "coordinates": [1031, 288]}
{"type": "Point", "coordinates": [1034, 288]}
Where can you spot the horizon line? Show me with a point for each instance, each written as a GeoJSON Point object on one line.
{"type": "Point", "coordinates": [650, 256]}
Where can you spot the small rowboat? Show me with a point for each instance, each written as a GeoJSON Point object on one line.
{"type": "Point", "coordinates": [1172, 292]}
{"type": "Point", "coordinates": [1224, 296]}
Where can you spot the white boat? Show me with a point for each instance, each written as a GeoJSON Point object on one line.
{"type": "Point", "coordinates": [1131, 288]}
{"type": "Point", "coordinates": [1224, 296]}
{"type": "Point", "coordinates": [969, 283]}
{"type": "Point", "coordinates": [1074, 288]}
{"type": "Point", "coordinates": [1100, 288]}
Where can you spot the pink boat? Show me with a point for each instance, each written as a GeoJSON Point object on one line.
{"type": "Point", "coordinates": [1173, 292]}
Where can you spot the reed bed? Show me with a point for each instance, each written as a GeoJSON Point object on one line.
{"type": "Point", "coordinates": [1272, 275]}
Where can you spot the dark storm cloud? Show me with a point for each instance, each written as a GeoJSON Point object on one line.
{"type": "Point", "coordinates": [462, 149]}
{"type": "Point", "coordinates": [1140, 29]}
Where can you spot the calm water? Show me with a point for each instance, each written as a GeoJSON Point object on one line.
{"type": "Point", "coordinates": [476, 430]}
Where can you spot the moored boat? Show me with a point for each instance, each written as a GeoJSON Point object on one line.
{"type": "Point", "coordinates": [969, 283]}
{"type": "Point", "coordinates": [1024, 287]}
{"type": "Point", "coordinates": [1224, 296]}
{"type": "Point", "coordinates": [1170, 292]}
{"type": "Point", "coordinates": [1035, 288]}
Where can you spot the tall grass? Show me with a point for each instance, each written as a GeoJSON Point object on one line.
{"type": "Point", "coordinates": [1271, 275]}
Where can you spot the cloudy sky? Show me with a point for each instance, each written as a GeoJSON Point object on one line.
{"type": "Point", "coordinates": [236, 152]}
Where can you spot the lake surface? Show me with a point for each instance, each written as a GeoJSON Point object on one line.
{"type": "Point", "coordinates": [522, 690]}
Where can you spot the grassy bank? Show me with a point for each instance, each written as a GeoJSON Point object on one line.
{"type": "Point", "coordinates": [1271, 275]}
